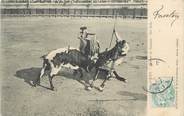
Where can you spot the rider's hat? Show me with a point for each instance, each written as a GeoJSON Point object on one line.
{"type": "Point", "coordinates": [83, 28]}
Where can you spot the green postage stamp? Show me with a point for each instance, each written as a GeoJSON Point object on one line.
{"type": "Point", "coordinates": [163, 93]}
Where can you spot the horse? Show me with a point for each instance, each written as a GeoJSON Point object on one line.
{"type": "Point", "coordinates": [73, 58]}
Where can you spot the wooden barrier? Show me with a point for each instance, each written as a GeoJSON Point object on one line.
{"type": "Point", "coordinates": [124, 12]}
{"type": "Point", "coordinates": [76, 10]}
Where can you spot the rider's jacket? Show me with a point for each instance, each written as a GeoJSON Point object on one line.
{"type": "Point", "coordinates": [87, 44]}
{"type": "Point", "coordinates": [82, 36]}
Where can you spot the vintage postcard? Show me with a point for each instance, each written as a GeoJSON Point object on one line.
{"type": "Point", "coordinates": [165, 52]}
{"type": "Point", "coordinates": [92, 58]}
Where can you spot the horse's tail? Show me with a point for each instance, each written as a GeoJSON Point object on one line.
{"type": "Point", "coordinates": [46, 66]}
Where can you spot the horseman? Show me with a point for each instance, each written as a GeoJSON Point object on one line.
{"type": "Point", "coordinates": [87, 44]}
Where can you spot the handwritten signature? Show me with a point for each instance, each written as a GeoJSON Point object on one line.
{"type": "Point", "coordinates": [158, 14]}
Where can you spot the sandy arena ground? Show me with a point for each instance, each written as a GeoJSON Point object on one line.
{"type": "Point", "coordinates": [24, 40]}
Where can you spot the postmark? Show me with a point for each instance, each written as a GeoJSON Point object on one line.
{"type": "Point", "coordinates": [161, 84]}
{"type": "Point", "coordinates": [162, 92]}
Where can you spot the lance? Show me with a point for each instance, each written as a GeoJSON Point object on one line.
{"type": "Point", "coordinates": [115, 19]}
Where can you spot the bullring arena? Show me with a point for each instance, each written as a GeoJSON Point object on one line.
{"type": "Point", "coordinates": [26, 38]}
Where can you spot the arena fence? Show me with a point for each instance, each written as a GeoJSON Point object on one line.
{"type": "Point", "coordinates": [76, 10]}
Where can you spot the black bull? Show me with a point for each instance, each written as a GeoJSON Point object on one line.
{"type": "Point", "coordinates": [75, 58]}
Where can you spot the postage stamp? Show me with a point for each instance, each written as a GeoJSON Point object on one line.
{"type": "Point", "coordinates": [161, 84]}
{"type": "Point", "coordinates": [163, 93]}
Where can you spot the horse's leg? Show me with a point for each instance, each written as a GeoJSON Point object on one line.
{"type": "Point", "coordinates": [119, 77]}
{"type": "Point", "coordinates": [81, 73]}
{"type": "Point", "coordinates": [103, 83]}
{"type": "Point", "coordinates": [42, 72]}
{"type": "Point", "coordinates": [110, 75]}
{"type": "Point", "coordinates": [54, 71]}
{"type": "Point", "coordinates": [94, 78]}
{"type": "Point", "coordinates": [52, 74]}
{"type": "Point", "coordinates": [51, 84]}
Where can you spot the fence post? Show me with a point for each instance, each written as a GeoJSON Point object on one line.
{"type": "Point", "coordinates": [80, 12]}
{"type": "Point", "coordinates": [134, 13]}
{"type": "Point", "coordinates": [100, 12]}
{"type": "Point", "coordinates": [87, 12]}
{"type": "Point", "coordinates": [68, 12]}
{"type": "Point", "coordinates": [107, 12]}
{"type": "Point", "coordinates": [55, 12]}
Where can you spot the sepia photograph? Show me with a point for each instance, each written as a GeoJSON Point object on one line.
{"type": "Point", "coordinates": [74, 57]}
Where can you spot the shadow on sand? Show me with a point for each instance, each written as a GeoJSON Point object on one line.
{"type": "Point", "coordinates": [128, 96]}
{"type": "Point", "coordinates": [135, 96]}
{"type": "Point", "coordinates": [30, 76]}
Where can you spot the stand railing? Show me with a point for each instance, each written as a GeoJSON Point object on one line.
{"type": "Point", "coordinates": [124, 10]}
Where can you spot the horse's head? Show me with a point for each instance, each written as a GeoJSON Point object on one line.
{"type": "Point", "coordinates": [120, 45]}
